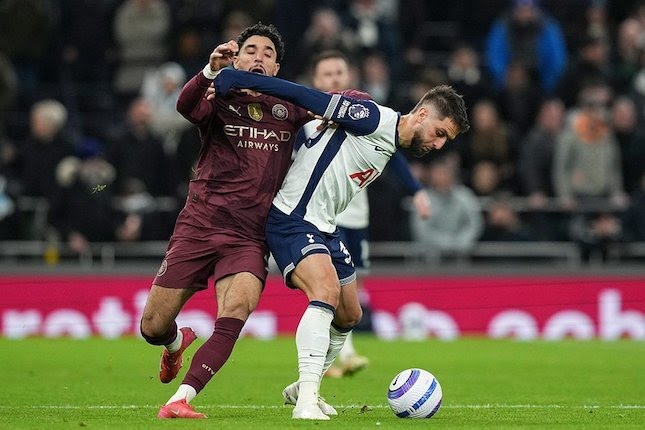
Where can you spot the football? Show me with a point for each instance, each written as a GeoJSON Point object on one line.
{"type": "Point", "coordinates": [414, 393]}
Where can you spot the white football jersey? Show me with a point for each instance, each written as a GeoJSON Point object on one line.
{"type": "Point", "coordinates": [332, 166]}
{"type": "Point", "coordinates": [357, 213]}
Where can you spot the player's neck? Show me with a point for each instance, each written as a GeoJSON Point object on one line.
{"type": "Point", "coordinates": [405, 130]}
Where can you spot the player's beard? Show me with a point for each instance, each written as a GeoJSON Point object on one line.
{"type": "Point", "coordinates": [416, 147]}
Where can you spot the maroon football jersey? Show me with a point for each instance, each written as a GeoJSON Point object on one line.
{"type": "Point", "coordinates": [247, 143]}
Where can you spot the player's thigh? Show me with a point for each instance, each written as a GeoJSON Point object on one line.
{"type": "Point", "coordinates": [162, 307]}
{"type": "Point", "coordinates": [349, 311]}
{"type": "Point", "coordinates": [316, 276]}
{"type": "Point", "coordinates": [238, 295]}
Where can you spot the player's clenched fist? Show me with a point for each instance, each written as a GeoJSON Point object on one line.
{"type": "Point", "coordinates": [222, 55]}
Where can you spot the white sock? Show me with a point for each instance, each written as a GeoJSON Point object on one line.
{"type": "Point", "coordinates": [312, 343]}
{"type": "Point", "coordinates": [183, 392]}
{"type": "Point", "coordinates": [336, 341]}
{"type": "Point", "coordinates": [308, 393]}
{"type": "Point", "coordinates": [176, 344]}
{"type": "Point", "coordinates": [348, 349]}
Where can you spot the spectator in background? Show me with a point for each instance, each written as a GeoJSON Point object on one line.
{"type": "Point", "coordinates": [85, 56]}
{"type": "Point", "coordinates": [375, 78]}
{"type": "Point", "coordinates": [325, 32]}
{"type": "Point", "coordinates": [138, 154]}
{"type": "Point", "coordinates": [8, 87]}
{"type": "Point", "coordinates": [200, 17]}
{"type": "Point", "coordinates": [526, 34]}
{"type": "Point", "coordinates": [82, 211]}
{"type": "Point", "coordinates": [503, 223]}
{"type": "Point", "coordinates": [535, 163]}
{"type": "Point", "coordinates": [595, 233]}
{"type": "Point", "coordinates": [47, 145]}
{"type": "Point", "coordinates": [489, 140]}
{"type": "Point", "coordinates": [9, 185]}
{"type": "Point", "coordinates": [456, 222]}
{"type": "Point", "coordinates": [189, 50]}
{"type": "Point", "coordinates": [633, 219]}
{"type": "Point", "coordinates": [161, 89]}
{"type": "Point", "coordinates": [520, 98]}
{"type": "Point", "coordinates": [466, 76]}
{"type": "Point", "coordinates": [587, 165]}
{"type": "Point", "coordinates": [234, 24]}
{"type": "Point", "coordinates": [141, 29]}
{"type": "Point", "coordinates": [592, 64]}
{"type": "Point", "coordinates": [374, 28]}
{"type": "Point", "coordinates": [587, 157]}
{"type": "Point", "coordinates": [629, 46]}
{"type": "Point", "coordinates": [27, 26]}
{"type": "Point", "coordinates": [624, 120]}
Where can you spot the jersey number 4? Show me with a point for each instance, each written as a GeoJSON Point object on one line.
{"type": "Point", "coordinates": [364, 178]}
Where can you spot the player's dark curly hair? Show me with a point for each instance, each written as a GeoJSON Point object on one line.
{"type": "Point", "coordinates": [269, 31]}
{"type": "Point", "coordinates": [448, 104]}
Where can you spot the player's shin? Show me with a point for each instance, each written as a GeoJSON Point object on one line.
{"type": "Point", "coordinates": [337, 337]}
{"type": "Point", "coordinates": [312, 343]}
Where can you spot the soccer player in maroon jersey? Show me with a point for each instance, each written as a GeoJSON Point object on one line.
{"type": "Point", "coordinates": [247, 140]}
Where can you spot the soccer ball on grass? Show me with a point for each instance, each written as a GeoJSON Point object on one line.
{"type": "Point", "coordinates": [414, 393]}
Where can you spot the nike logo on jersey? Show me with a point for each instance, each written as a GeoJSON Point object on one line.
{"type": "Point", "coordinates": [379, 149]}
{"type": "Point", "coordinates": [235, 109]}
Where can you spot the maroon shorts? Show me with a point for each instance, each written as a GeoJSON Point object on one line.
{"type": "Point", "coordinates": [190, 261]}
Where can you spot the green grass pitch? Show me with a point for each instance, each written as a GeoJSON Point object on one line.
{"type": "Point", "coordinates": [112, 384]}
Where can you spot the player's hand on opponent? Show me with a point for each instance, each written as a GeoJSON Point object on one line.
{"type": "Point", "coordinates": [325, 122]}
{"type": "Point", "coordinates": [421, 203]}
{"type": "Point", "coordinates": [210, 92]}
{"type": "Point", "coordinates": [222, 55]}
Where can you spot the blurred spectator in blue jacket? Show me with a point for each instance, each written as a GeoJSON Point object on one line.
{"type": "Point", "coordinates": [527, 34]}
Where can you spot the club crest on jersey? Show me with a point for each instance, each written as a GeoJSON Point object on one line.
{"type": "Point", "coordinates": [280, 112]}
{"type": "Point", "coordinates": [255, 111]}
{"type": "Point", "coordinates": [162, 268]}
{"type": "Point", "coordinates": [357, 112]}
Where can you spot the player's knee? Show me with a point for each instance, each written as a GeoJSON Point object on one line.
{"type": "Point", "coordinates": [151, 330]}
{"type": "Point", "coordinates": [353, 318]}
{"type": "Point", "coordinates": [239, 309]}
{"type": "Point", "coordinates": [348, 317]}
{"type": "Point", "coordinates": [159, 337]}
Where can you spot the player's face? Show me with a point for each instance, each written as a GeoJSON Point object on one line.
{"type": "Point", "coordinates": [257, 55]}
{"type": "Point", "coordinates": [331, 74]}
{"type": "Point", "coordinates": [431, 133]}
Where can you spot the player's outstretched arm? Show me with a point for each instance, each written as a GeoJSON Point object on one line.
{"type": "Point", "coordinates": [335, 107]}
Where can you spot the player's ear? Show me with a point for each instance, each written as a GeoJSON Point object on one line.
{"type": "Point", "coordinates": [422, 114]}
{"type": "Point", "coordinates": [277, 68]}
{"type": "Point", "coordinates": [236, 61]}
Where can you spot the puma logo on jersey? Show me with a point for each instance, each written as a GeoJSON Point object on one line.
{"type": "Point", "coordinates": [235, 109]}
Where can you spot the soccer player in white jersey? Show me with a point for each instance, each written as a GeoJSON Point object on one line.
{"type": "Point", "coordinates": [330, 72]}
{"type": "Point", "coordinates": [330, 168]}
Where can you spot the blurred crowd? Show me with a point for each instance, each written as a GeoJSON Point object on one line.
{"type": "Point", "coordinates": [555, 91]}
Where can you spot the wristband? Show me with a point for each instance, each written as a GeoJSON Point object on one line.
{"type": "Point", "coordinates": [208, 72]}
